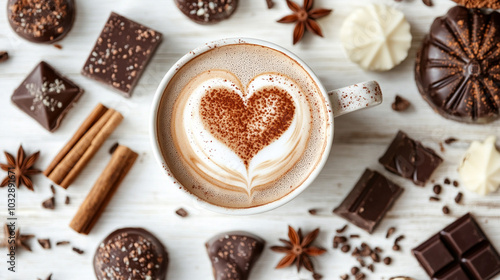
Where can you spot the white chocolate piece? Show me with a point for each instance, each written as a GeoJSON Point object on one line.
{"type": "Point", "coordinates": [480, 168]}
{"type": "Point", "coordinates": [376, 37]}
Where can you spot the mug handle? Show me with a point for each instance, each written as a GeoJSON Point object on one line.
{"type": "Point", "coordinates": [355, 97]}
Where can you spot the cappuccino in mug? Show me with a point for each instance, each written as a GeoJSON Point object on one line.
{"type": "Point", "coordinates": [242, 125]}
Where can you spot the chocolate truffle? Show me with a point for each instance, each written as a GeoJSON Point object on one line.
{"type": "Point", "coordinates": [41, 21]}
{"type": "Point", "coordinates": [46, 96]}
{"type": "Point", "coordinates": [457, 70]}
{"type": "Point", "coordinates": [207, 11]}
{"type": "Point", "coordinates": [130, 253]}
{"type": "Point", "coordinates": [233, 254]}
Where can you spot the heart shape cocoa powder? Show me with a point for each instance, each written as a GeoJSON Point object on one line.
{"type": "Point", "coordinates": [247, 125]}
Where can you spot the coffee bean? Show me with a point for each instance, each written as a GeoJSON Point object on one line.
{"type": "Point", "coordinates": [437, 189]}
{"type": "Point", "coordinates": [387, 260]}
{"type": "Point", "coordinates": [458, 198]}
{"type": "Point", "coordinates": [447, 181]}
{"type": "Point", "coordinates": [375, 257]}
{"type": "Point", "coordinates": [455, 184]}
{"type": "Point", "coordinates": [446, 210]}
{"type": "Point", "coordinates": [346, 248]}
{"type": "Point", "coordinates": [354, 270]}
{"type": "Point", "coordinates": [396, 247]}
{"type": "Point", "coordinates": [433, 198]}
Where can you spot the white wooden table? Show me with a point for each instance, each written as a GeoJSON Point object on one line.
{"type": "Point", "coordinates": [146, 199]}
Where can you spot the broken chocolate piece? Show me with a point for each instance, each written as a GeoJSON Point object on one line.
{"type": "Point", "coordinates": [49, 203]}
{"type": "Point", "coordinates": [369, 200]}
{"type": "Point", "coordinates": [410, 159]}
{"type": "Point", "coordinates": [45, 243]}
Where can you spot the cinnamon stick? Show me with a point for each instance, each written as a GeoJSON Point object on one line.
{"type": "Point", "coordinates": [87, 140]}
{"type": "Point", "coordinates": [104, 188]}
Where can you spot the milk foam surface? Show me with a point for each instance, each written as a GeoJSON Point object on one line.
{"type": "Point", "coordinates": [220, 171]}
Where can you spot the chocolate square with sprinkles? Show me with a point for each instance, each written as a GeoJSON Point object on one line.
{"type": "Point", "coordinates": [46, 96]}
{"type": "Point", "coordinates": [121, 53]}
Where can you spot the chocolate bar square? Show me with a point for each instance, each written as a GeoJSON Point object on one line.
{"type": "Point", "coordinates": [121, 53]}
{"type": "Point", "coordinates": [369, 200]}
{"type": "Point", "coordinates": [46, 96]}
{"type": "Point", "coordinates": [410, 159]}
{"type": "Point", "coordinates": [459, 251]}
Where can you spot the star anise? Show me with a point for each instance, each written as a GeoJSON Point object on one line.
{"type": "Point", "coordinates": [20, 239]}
{"type": "Point", "coordinates": [298, 249]}
{"type": "Point", "coordinates": [22, 168]}
{"type": "Point", "coordinates": [305, 18]}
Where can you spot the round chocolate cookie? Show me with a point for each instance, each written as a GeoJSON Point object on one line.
{"type": "Point", "coordinates": [130, 253]}
{"type": "Point", "coordinates": [457, 69]}
{"type": "Point", "coordinates": [41, 21]}
{"type": "Point", "coordinates": [207, 11]}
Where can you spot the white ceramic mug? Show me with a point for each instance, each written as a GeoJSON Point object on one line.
{"type": "Point", "coordinates": [340, 101]}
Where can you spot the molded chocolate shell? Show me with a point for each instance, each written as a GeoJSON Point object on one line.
{"type": "Point", "coordinates": [130, 253]}
{"type": "Point", "coordinates": [457, 69]}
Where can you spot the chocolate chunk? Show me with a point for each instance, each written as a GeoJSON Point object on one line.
{"type": "Point", "coordinates": [67, 200]}
{"type": "Point", "coordinates": [459, 251]}
{"type": "Point", "coordinates": [233, 254]}
{"type": "Point", "coordinates": [453, 73]}
{"type": "Point", "coordinates": [339, 239]}
{"type": "Point", "coordinates": [400, 104]}
{"type": "Point", "coordinates": [369, 200]}
{"type": "Point", "coordinates": [409, 159]}
{"type": "Point", "coordinates": [131, 253]}
{"type": "Point", "coordinates": [207, 11]}
{"type": "Point", "coordinates": [121, 53]}
{"type": "Point", "coordinates": [370, 267]}
{"type": "Point", "coordinates": [45, 243]}
{"type": "Point", "coordinates": [447, 181]}
{"type": "Point", "coordinates": [270, 4]}
{"type": "Point", "coordinates": [79, 252]}
{"type": "Point", "coordinates": [354, 270]}
{"type": "Point", "coordinates": [41, 21]}
{"type": "Point", "coordinates": [182, 212]}
{"type": "Point", "coordinates": [387, 260]}
{"type": "Point", "coordinates": [455, 184]}
{"type": "Point", "coordinates": [446, 210]}
{"type": "Point", "coordinates": [46, 96]}
{"type": "Point", "coordinates": [4, 56]}
{"type": "Point", "coordinates": [60, 243]}
{"type": "Point", "coordinates": [49, 203]}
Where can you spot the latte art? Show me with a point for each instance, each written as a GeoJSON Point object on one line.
{"type": "Point", "coordinates": [242, 125]}
{"type": "Point", "coordinates": [241, 138]}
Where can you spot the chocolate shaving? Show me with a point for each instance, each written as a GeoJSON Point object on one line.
{"type": "Point", "coordinates": [341, 230]}
{"type": "Point", "coordinates": [354, 236]}
{"type": "Point", "coordinates": [450, 140]}
{"type": "Point", "coordinates": [60, 243]}
{"type": "Point", "coordinates": [49, 203]}
{"type": "Point", "coordinates": [67, 200]}
{"type": "Point", "coordinates": [436, 189]}
{"type": "Point", "coordinates": [447, 181]}
{"type": "Point", "coordinates": [371, 268]}
{"type": "Point", "coordinates": [52, 189]}
{"type": "Point", "coordinates": [346, 248]}
{"type": "Point", "coordinates": [458, 198]}
{"type": "Point", "coordinates": [446, 210]}
{"type": "Point", "coordinates": [45, 243]}
{"type": "Point", "coordinates": [181, 212]}
{"type": "Point", "coordinates": [78, 251]}
{"type": "Point", "coordinates": [58, 46]}
{"type": "Point", "coordinates": [433, 198]}
{"type": "Point", "coordinates": [313, 211]}
{"type": "Point", "coordinates": [455, 184]}
{"type": "Point", "coordinates": [390, 231]}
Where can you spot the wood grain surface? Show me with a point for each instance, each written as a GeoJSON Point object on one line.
{"type": "Point", "coordinates": [145, 197]}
